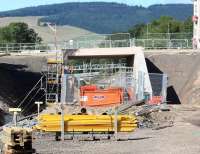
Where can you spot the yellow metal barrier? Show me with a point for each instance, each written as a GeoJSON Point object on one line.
{"type": "Point", "coordinates": [54, 61]}
{"type": "Point", "coordinates": [86, 123]}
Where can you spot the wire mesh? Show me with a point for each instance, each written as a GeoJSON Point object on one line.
{"type": "Point", "coordinates": [103, 76]}
{"type": "Point", "coordinates": [159, 87]}
{"type": "Point", "coordinates": [163, 43]}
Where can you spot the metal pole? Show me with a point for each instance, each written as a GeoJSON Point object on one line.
{"type": "Point", "coordinates": [147, 31]}
{"type": "Point", "coordinates": [187, 44]}
{"type": "Point", "coordinates": [116, 123]}
{"type": "Point", "coordinates": [153, 42]}
{"type": "Point", "coordinates": [168, 31]}
{"type": "Point", "coordinates": [63, 98]}
{"type": "Point", "coordinates": [15, 111]}
{"type": "Point", "coordinates": [7, 50]}
{"type": "Point", "coordinates": [164, 88]}
{"type": "Point", "coordinates": [38, 109]}
{"type": "Point", "coordinates": [56, 37]}
{"type": "Point", "coordinates": [55, 33]}
{"type": "Point", "coordinates": [62, 123]}
{"type": "Point", "coordinates": [38, 106]}
{"type": "Point", "coordinates": [15, 119]}
{"type": "Point", "coordinates": [110, 42]}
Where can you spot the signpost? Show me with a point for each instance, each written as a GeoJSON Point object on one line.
{"type": "Point", "coordinates": [15, 111]}
{"type": "Point", "coordinates": [38, 106]}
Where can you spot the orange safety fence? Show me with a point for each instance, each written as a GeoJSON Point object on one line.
{"type": "Point", "coordinates": [88, 88]}
{"type": "Point", "coordinates": [156, 100]}
{"type": "Point", "coordinates": [131, 94]}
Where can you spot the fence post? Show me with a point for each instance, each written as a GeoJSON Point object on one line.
{"type": "Point", "coordinates": [132, 42]}
{"type": "Point", "coordinates": [168, 44]}
{"type": "Point", "coordinates": [20, 47]}
{"type": "Point", "coordinates": [7, 50]}
{"type": "Point", "coordinates": [153, 43]}
{"type": "Point", "coordinates": [187, 44]}
{"type": "Point", "coordinates": [164, 88]}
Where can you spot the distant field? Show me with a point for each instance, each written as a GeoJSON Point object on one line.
{"type": "Point", "coordinates": [64, 33]}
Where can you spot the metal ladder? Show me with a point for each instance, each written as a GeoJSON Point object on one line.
{"type": "Point", "coordinates": [53, 78]}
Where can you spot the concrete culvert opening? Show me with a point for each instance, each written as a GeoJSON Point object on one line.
{"type": "Point", "coordinates": [171, 96]}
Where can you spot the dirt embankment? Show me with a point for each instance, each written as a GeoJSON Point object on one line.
{"type": "Point", "coordinates": [17, 76]}
{"type": "Point", "coordinates": [183, 70]}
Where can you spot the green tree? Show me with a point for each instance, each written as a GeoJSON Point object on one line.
{"type": "Point", "coordinates": [19, 33]}
{"type": "Point", "coordinates": [160, 28]}
{"type": "Point", "coordinates": [5, 35]}
{"type": "Point", "coordinates": [138, 30]}
{"type": "Point", "coordinates": [188, 25]}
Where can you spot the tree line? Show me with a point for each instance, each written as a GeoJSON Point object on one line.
{"type": "Point", "coordinates": [165, 27]}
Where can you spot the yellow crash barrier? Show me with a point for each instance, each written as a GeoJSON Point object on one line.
{"type": "Point", "coordinates": [86, 123]}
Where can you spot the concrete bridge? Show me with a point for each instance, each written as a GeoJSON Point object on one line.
{"type": "Point", "coordinates": [134, 57]}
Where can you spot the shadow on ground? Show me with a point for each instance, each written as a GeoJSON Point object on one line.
{"type": "Point", "coordinates": [15, 83]}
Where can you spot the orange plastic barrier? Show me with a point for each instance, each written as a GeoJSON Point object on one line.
{"type": "Point", "coordinates": [88, 88]}
{"type": "Point", "coordinates": [156, 100]}
{"type": "Point", "coordinates": [131, 94]}
{"type": "Point", "coordinates": [101, 97]}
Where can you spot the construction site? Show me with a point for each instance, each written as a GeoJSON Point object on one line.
{"type": "Point", "coordinates": [101, 94]}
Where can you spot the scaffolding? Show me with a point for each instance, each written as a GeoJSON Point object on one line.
{"type": "Point", "coordinates": [53, 78]}
{"type": "Point", "coordinates": [104, 76]}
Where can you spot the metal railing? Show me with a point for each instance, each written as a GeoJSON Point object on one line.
{"type": "Point", "coordinates": [145, 43]}
{"type": "Point", "coordinates": [163, 43]}
{"type": "Point", "coordinates": [97, 67]}
{"type": "Point", "coordinates": [167, 36]}
{"type": "Point", "coordinates": [28, 47]}
{"type": "Point", "coordinates": [97, 44]}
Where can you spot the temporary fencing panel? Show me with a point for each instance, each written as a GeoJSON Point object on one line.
{"type": "Point", "coordinates": [140, 86]}
{"type": "Point", "coordinates": [103, 85]}
{"type": "Point", "coordinates": [159, 87]}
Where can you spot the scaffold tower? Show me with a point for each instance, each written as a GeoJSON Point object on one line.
{"type": "Point", "coordinates": [53, 78]}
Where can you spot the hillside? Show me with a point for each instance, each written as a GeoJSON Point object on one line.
{"type": "Point", "coordinates": [102, 17]}
{"type": "Point", "coordinates": [64, 33]}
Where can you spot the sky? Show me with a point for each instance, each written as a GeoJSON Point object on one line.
{"type": "Point", "coordinates": [15, 4]}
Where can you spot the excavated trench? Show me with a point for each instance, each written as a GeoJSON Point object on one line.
{"type": "Point", "coordinates": [19, 74]}
{"type": "Point", "coordinates": [17, 78]}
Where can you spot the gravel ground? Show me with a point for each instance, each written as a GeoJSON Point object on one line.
{"type": "Point", "coordinates": [182, 138]}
